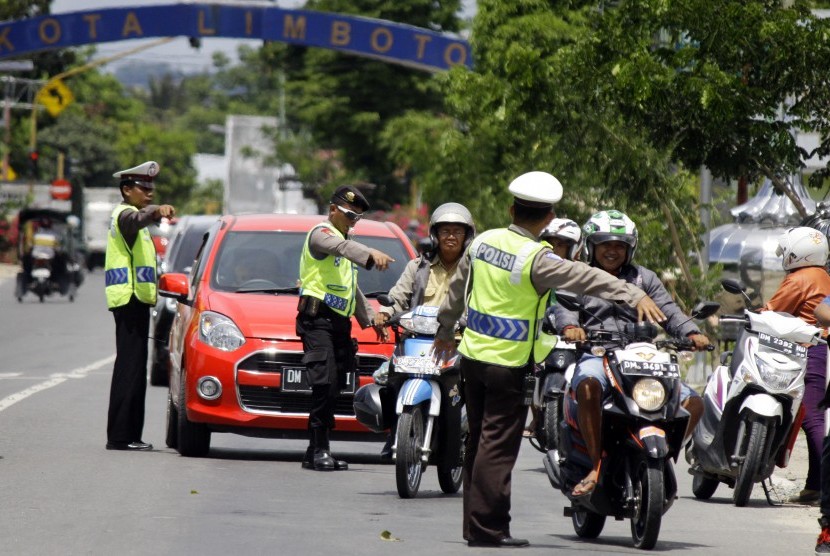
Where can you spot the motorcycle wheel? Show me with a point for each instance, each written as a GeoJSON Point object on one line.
{"type": "Point", "coordinates": [649, 493]}
{"type": "Point", "coordinates": [451, 476]}
{"type": "Point", "coordinates": [550, 428]}
{"type": "Point", "coordinates": [751, 464]}
{"type": "Point", "coordinates": [410, 439]}
{"type": "Point", "coordinates": [587, 525]}
{"type": "Point", "coordinates": [703, 487]}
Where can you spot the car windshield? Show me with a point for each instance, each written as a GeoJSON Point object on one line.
{"type": "Point", "coordinates": [263, 261]}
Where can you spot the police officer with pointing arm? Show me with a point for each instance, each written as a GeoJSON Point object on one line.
{"type": "Point", "coordinates": [130, 274]}
{"type": "Point", "coordinates": [505, 278]}
{"type": "Point", "coordinates": [329, 296]}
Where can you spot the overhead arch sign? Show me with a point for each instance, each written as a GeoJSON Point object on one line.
{"type": "Point", "coordinates": [392, 42]}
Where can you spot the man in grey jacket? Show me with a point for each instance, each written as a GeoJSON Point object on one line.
{"type": "Point", "coordinates": [610, 242]}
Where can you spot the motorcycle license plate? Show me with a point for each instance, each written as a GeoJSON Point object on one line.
{"type": "Point", "coordinates": [416, 365]}
{"type": "Point", "coordinates": [295, 379]}
{"type": "Point", "coordinates": [668, 370]}
{"type": "Point", "coordinates": [783, 346]}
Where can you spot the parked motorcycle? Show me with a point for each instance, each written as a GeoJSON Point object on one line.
{"type": "Point", "coordinates": [431, 421]}
{"type": "Point", "coordinates": [643, 428]}
{"type": "Point", "coordinates": [752, 404]}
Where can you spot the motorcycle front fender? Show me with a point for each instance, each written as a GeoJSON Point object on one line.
{"type": "Point", "coordinates": [554, 384]}
{"type": "Point", "coordinates": [763, 405]}
{"type": "Point", "coordinates": [418, 390]}
{"type": "Point", "coordinates": [654, 442]}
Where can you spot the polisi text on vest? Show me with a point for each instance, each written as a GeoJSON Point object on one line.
{"type": "Point", "coordinates": [495, 257]}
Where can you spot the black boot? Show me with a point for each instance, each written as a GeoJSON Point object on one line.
{"type": "Point", "coordinates": [308, 459]}
{"type": "Point", "coordinates": [322, 456]}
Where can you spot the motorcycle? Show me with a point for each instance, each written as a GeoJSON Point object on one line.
{"type": "Point", "coordinates": [643, 427]}
{"type": "Point", "coordinates": [552, 380]}
{"type": "Point", "coordinates": [752, 404]}
{"type": "Point", "coordinates": [431, 421]}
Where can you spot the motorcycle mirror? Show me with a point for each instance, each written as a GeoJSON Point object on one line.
{"type": "Point", "coordinates": [735, 287]}
{"type": "Point", "coordinates": [385, 300]}
{"type": "Point", "coordinates": [568, 300]}
{"type": "Point", "coordinates": [705, 309]}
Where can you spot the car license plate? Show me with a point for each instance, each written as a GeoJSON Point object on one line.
{"type": "Point", "coordinates": [668, 370]}
{"type": "Point", "coordinates": [295, 379]}
{"type": "Point", "coordinates": [783, 346]}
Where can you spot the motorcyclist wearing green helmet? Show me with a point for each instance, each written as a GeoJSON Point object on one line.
{"type": "Point", "coordinates": [610, 244]}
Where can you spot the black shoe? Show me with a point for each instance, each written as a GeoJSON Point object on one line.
{"type": "Point", "coordinates": [504, 542]}
{"type": "Point", "coordinates": [131, 446]}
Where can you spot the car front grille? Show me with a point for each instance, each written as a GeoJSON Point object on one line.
{"type": "Point", "coordinates": [265, 398]}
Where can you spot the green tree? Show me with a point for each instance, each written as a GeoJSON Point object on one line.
{"type": "Point", "coordinates": [345, 101]}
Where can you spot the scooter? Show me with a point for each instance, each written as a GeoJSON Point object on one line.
{"type": "Point", "coordinates": [431, 421]}
{"type": "Point", "coordinates": [752, 404]}
{"type": "Point", "coordinates": [643, 429]}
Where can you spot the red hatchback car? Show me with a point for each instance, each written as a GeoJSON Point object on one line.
{"type": "Point", "coordinates": [235, 358]}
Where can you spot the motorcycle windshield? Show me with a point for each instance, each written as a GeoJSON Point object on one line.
{"type": "Point", "coordinates": [782, 325]}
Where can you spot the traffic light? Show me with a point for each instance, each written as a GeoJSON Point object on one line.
{"type": "Point", "coordinates": [33, 159]}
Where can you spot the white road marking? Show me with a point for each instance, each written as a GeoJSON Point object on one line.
{"type": "Point", "coordinates": [54, 380]}
{"type": "Point", "coordinates": [10, 375]}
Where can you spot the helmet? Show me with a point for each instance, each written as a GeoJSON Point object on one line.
{"type": "Point", "coordinates": [368, 407]}
{"type": "Point", "coordinates": [451, 213]}
{"type": "Point", "coordinates": [567, 229]}
{"type": "Point", "coordinates": [802, 247]}
{"type": "Point", "coordinates": [610, 225]}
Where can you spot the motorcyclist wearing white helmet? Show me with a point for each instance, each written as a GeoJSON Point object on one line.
{"type": "Point", "coordinates": [610, 243]}
{"type": "Point", "coordinates": [804, 253]}
{"type": "Point", "coordinates": [426, 279]}
{"type": "Point", "coordinates": [565, 238]}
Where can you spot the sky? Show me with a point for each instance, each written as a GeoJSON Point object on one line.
{"type": "Point", "coordinates": [178, 53]}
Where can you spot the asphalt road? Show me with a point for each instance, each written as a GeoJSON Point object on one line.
{"type": "Point", "coordinates": [63, 493]}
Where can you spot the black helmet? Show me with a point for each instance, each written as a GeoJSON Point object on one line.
{"type": "Point", "coordinates": [368, 407]}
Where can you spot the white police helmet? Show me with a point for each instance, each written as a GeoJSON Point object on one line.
{"type": "Point", "coordinates": [565, 229]}
{"type": "Point", "coordinates": [536, 189]}
{"type": "Point", "coordinates": [802, 247]}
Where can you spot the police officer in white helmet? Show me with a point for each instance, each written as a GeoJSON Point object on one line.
{"type": "Point", "coordinates": [505, 277]}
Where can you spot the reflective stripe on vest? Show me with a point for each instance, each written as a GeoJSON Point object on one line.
{"type": "Point", "coordinates": [128, 271]}
{"type": "Point", "coordinates": [331, 279]}
{"type": "Point", "coordinates": [504, 310]}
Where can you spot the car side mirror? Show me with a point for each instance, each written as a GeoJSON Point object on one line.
{"type": "Point", "coordinates": [174, 286]}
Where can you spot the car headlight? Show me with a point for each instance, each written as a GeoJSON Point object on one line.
{"type": "Point", "coordinates": [649, 394]}
{"type": "Point", "coordinates": [775, 377]}
{"type": "Point", "coordinates": [219, 331]}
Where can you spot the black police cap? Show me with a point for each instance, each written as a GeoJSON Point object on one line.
{"type": "Point", "coordinates": [350, 194]}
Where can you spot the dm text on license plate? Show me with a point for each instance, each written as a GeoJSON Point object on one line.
{"type": "Point", "coordinates": [295, 379]}
{"type": "Point", "coordinates": [669, 370]}
{"type": "Point", "coordinates": [784, 346]}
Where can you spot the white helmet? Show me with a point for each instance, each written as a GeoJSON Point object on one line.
{"type": "Point", "coordinates": [802, 247]}
{"type": "Point", "coordinates": [610, 225]}
{"type": "Point", "coordinates": [451, 213]}
{"type": "Point", "coordinates": [567, 229]}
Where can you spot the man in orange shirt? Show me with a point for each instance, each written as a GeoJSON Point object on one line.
{"type": "Point", "coordinates": [807, 283]}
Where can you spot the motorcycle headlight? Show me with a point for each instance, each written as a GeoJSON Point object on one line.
{"type": "Point", "coordinates": [775, 377]}
{"type": "Point", "coordinates": [219, 331]}
{"type": "Point", "coordinates": [420, 324]}
{"type": "Point", "coordinates": [649, 394]}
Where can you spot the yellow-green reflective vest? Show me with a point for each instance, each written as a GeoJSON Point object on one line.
{"type": "Point", "coordinates": [330, 279]}
{"type": "Point", "coordinates": [129, 271]}
{"type": "Point", "coordinates": [504, 311]}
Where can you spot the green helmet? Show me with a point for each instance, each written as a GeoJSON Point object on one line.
{"type": "Point", "coordinates": [610, 225]}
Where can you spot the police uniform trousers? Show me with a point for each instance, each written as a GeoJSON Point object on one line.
{"type": "Point", "coordinates": [125, 421]}
{"type": "Point", "coordinates": [496, 415]}
{"type": "Point", "coordinates": [329, 355]}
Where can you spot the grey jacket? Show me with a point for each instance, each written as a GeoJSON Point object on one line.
{"type": "Point", "coordinates": [599, 313]}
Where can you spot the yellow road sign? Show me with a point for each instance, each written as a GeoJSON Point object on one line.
{"type": "Point", "coordinates": [55, 96]}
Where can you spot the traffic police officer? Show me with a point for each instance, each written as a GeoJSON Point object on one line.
{"type": "Point", "coordinates": [506, 276]}
{"type": "Point", "coordinates": [130, 270]}
{"type": "Point", "coordinates": [329, 296]}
